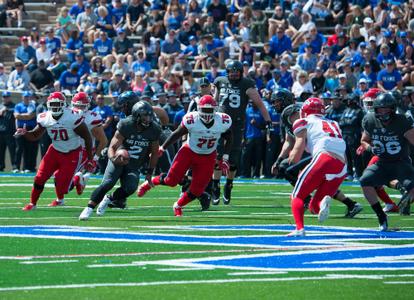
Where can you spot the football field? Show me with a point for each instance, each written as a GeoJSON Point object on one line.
{"type": "Point", "coordinates": [238, 251]}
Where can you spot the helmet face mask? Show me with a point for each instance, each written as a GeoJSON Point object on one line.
{"type": "Point", "coordinates": [55, 104]}
{"type": "Point", "coordinates": [81, 101]}
{"type": "Point", "coordinates": [206, 108]}
{"type": "Point", "coordinates": [384, 107]}
{"type": "Point", "coordinates": [143, 114]}
{"type": "Point", "coordinates": [234, 70]}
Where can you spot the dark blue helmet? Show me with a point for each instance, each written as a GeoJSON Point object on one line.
{"type": "Point", "coordinates": [385, 100]}
{"type": "Point", "coordinates": [143, 113]}
{"type": "Point", "coordinates": [283, 96]}
{"type": "Point", "coordinates": [234, 70]}
{"type": "Point", "coordinates": [126, 101]}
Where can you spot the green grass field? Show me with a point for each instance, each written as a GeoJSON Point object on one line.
{"type": "Point", "coordinates": [229, 252]}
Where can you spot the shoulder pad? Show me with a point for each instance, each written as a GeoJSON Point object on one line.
{"type": "Point", "coordinates": [299, 125]}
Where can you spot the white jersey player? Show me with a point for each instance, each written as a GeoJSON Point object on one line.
{"type": "Point", "coordinates": [93, 121]}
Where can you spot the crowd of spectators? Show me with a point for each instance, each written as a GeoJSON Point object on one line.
{"type": "Point", "coordinates": [335, 48]}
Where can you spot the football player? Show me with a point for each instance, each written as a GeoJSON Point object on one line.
{"type": "Point", "coordinates": [327, 169]}
{"type": "Point", "coordinates": [66, 129]}
{"type": "Point", "coordinates": [204, 128]}
{"type": "Point", "coordinates": [387, 135]}
{"type": "Point", "coordinates": [283, 169]}
{"type": "Point", "coordinates": [233, 93]}
{"type": "Point", "coordinates": [80, 105]}
{"type": "Point", "coordinates": [139, 135]}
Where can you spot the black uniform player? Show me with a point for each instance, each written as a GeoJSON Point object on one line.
{"type": "Point", "coordinates": [387, 135]}
{"type": "Point", "coordinates": [233, 92]}
{"type": "Point", "coordinates": [139, 135]}
{"type": "Point", "coordinates": [290, 172]}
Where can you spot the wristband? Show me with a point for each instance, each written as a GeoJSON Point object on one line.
{"type": "Point", "coordinates": [225, 157]}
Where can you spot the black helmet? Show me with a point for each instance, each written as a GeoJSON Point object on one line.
{"type": "Point", "coordinates": [143, 113]}
{"type": "Point", "coordinates": [385, 100]}
{"type": "Point", "coordinates": [397, 96]}
{"type": "Point", "coordinates": [284, 96]}
{"type": "Point", "coordinates": [126, 101]}
{"type": "Point", "coordinates": [233, 67]}
{"type": "Point", "coordinates": [288, 112]}
{"type": "Point", "coordinates": [352, 99]}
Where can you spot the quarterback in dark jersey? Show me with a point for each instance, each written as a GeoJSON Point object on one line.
{"type": "Point", "coordinates": [388, 136]}
{"type": "Point", "coordinates": [139, 135]}
{"type": "Point", "coordinates": [233, 93]}
{"type": "Point", "coordinates": [283, 169]}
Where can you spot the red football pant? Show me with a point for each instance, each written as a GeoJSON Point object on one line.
{"type": "Point", "coordinates": [202, 167]}
{"type": "Point", "coordinates": [62, 165]}
{"type": "Point", "coordinates": [324, 174]}
{"type": "Point", "coordinates": [382, 194]}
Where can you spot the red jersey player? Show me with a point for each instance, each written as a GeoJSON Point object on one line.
{"type": "Point", "coordinates": [80, 105]}
{"type": "Point", "coordinates": [66, 129]}
{"type": "Point", "coordinates": [323, 140]}
{"type": "Point", "coordinates": [204, 127]}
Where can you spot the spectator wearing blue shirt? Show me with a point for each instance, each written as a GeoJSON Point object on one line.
{"type": "Point", "coordinates": [103, 45]}
{"type": "Point", "coordinates": [273, 83]}
{"type": "Point", "coordinates": [26, 54]}
{"type": "Point", "coordinates": [76, 9]}
{"type": "Point", "coordinates": [286, 79]}
{"type": "Point", "coordinates": [172, 108]}
{"type": "Point", "coordinates": [141, 64]}
{"type": "Point", "coordinates": [25, 115]}
{"type": "Point", "coordinates": [107, 115]}
{"type": "Point", "coordinates": [53, 43]}
{"type": "Point", "coordinates": [368, 75]}
{"type": "Point", "coordinates": [362, 87]}
{"type": "Point", "coordinates": [317, 40]}
{"type": "Point", "coordinates": [280, 42]}
{"type": "Point", "coordinates": [83, 66]}
{"type": "Point", "coordinates": [69, 80]}
{"type": "Point", "coordinates": [215, 48]}
{"type": "Point", "coordinates": [214, 72]}
{"type": "Point", "coordinates": [119, 12]}
{"type": "Point", "coordinates": [104, 21]}
{"type": "Point", "coordinates": [192, 48]}
{"type": "Point", "coordinates": [308, 61]}
{"type": "Point", "coordinates": [385, 54]}
{"type": "Point", "coordinates": [389, 79]}
{"type": "Point", "coordinates": [254, 141]}
{"type": "Point", "coordinates": [174, 19]}
{"type": "Point", "coordinates": [185, 100]}
{"type": "Point", "coordinates": [170, 47]}
{"type": "Point", "coordinates": [74, 45]}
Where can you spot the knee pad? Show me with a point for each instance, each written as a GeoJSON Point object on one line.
{"type": "Point", "coordinates": [408, 185]}
{"type": "Point", "coordinates": [37, 186]}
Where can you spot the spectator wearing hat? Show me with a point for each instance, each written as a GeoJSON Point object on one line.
{"type": "Point", "coordinates": [389, 78]}
{"type": "Point", "coordinates": [368, 75]}
{"type": "Point", "coordinates": [19, 78]}
{"type": "Point", "coordinates": [362, 87]}
{"type": "Point", "coordinates": [43, 53]}
{"type": "Point", "coordinates": [86, 22]}
{"type": "Point", "coordinates": [123, 45]}
{"type": "Point", "coordinates": [192, 48]}
{"type": "Point", "coordinates": [185, 33]}
{"type": "Point", "coordinates": [3, 78]}
{"type": "Point", "coordinates": [106, 113]}
{"type": "Point", "coordinates": [74, 46]}
{"type": "Point", "coordinates": [155, 15]}
{"type": "Point", "coordinates": [25, 115]}
{"type": "Point", "coordinates": [308, 61]}
{"type": "Point", "coordinates": [294, 18]}
{"type": "Point", "coordinates": [337, 105]}
{"type": "Point", "coordinates": [26, 54]}
{"type": "Point", "coordinates": [41, 79]}
{"type": "Point", "coordinates": [273, 83]}
{"type": "Point", "coordinates": [118, 84]}
{"type": "Point", "coordinates": [53, 43]}
{"type": "Point", "coordinates": [7, 129]}
{"type": "Point", "coordinates": [366, 28]}
{"type": "Point", "coordinates": [280, 43]}
{"type": "Point", "coordinates": [70, 79]}
{"type": "Point", "coordinates": [172, 107]}
{"type": "Point", "coordinates": [135, 16]}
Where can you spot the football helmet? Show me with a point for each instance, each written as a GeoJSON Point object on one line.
{"type": "Point", "coordinates": [234, 70]}
{"type": "Point", "coordinates": [312, 106]}
{"type": "Point", "coordinates": [283, 96]}
{"type": "Point", "coordinates": [81, 101]}
{"type": "Point", "coordinates": [385, 100]}
{"type": "Point", "coordinates": [55, 103]}
{"type": "Point", "coordinates": [126, 101]}
{"type": "Point", "coordinates": [290, 111]}
{"type": "Point", "coordinates": [143, 113]}
{"type": "Point", "coordinates": [368, 99]}
{"type": "Point", "coordinates": [206, 108]}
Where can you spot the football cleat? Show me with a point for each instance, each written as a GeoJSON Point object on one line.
{"type": "Point", "coordinates": [85, 214]}
{"type": "Point", "coordinates": [178, 211]}
{"type": "Point", "coordinates": [143, 189]}
{"type": "Point", "coordinates": [79, 183]}
{"type": "Point", "coordinates": [57, 203]}
{"type": "Point", "coordinates": [390, 208]}
{"type": "Point", "coordinates": [324, 209]}
{"type": "Point", "coordinates": [227, 193]}
{"type": "Point", "coordinates": [297, 232]}
{"type": "Point", "coordinates": [204, 201]}
{"type": "Point", "coordinates": [29, 206]}
{"type": "Point", "coordinates": [404, 204]}
{"type": "Point", "coordinates": [354, 211]}
{"type": "Point", "coordinates": [216, 195]}
{"type": "Point", "coordinates": [384, 225]}
{"type": "Point", "coordinates": [100, 211]}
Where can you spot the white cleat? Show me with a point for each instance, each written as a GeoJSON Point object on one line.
{"type": "Point", "coordinates": [86, 214]}
{"type": "Point", "coordinates": [100, 211]}
{"type": "Point", "coordinates": [296, 232]}
{"type": "Point", "coordinates": [324, 209]}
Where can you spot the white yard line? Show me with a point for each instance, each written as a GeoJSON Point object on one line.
{"type": "Point", "coordinates": [40, 262]}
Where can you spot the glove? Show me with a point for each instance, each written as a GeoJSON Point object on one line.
{"type": "Point", "coordinates": [161, 151]}
{"type": "Point", "coordinates": [275, 168]}
{"type": "Point", "coordinates": [20, 131]}
{"type": "Point", "coordinates": [224, 164]}
{"type": "Point", "coordinates": [90, 165]}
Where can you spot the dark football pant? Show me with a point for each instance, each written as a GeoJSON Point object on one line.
{"type": "Point", "coordinates": [128, 176]}
{"type": "Point", "coordinates": [291, 172]}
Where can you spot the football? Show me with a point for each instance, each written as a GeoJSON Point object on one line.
{"type": "Point", "coordinates": [121, 157]}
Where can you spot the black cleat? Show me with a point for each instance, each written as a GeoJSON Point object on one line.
{"type": "Point", "coordinates": [227, 193]}
{"type": "Point", "coordinates": [404, 204]}
{"type": "Point", "coordinates": [116, 204]}
{"type": "Point", "coordinates": [216, 195]}
{"type": "Point", "coordinates": [350, 213]}
{"type": "Point", "coordinates": [204, 201]}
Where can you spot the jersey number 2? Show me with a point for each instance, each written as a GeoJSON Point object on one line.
{"type": "Point", "coordinates": [332, 129]}
{"type": "Point", "coordinates": [210, 143]}
{"type": "Point", "coordinates": [62, 134]}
